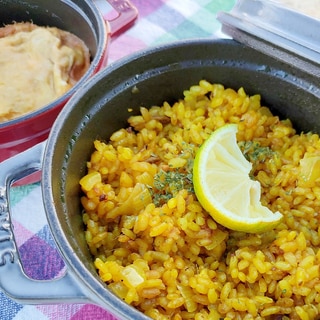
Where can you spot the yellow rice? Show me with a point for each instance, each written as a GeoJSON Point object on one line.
{"type": "Point", "coordinates": [158, 250]}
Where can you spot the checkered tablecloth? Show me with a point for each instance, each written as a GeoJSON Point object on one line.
{"type": "Point", "coordinates": [159, 21]}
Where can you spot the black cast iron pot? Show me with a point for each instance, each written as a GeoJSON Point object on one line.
{"type": "Point", "coordinates": [101, 107]}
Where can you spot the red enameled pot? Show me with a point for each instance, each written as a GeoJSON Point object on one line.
{"type": "Point", "coordinates": [84, 19]}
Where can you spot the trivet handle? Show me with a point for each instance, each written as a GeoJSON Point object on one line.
{"type": "Point", "coordinates": [13, 280]}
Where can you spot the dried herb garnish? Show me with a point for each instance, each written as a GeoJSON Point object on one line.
{"type": "Point", "coordinates": [168, 183]}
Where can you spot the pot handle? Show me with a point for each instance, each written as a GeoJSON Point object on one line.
{"type": "Point", "coordinates": [127, 13]}
{"type": "Point", "coordinates": [13, 280]}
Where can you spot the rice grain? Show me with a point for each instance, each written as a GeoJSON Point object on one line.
{"type": "Point", "coordinates": [158, 250]}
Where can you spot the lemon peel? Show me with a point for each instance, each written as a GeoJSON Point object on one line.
{"type": "Point", "coordinates": [224, 188]}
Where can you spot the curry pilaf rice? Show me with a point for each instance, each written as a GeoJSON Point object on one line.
{"type": "Point", "coordinates": [158, 250]}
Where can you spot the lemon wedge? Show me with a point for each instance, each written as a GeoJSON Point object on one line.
{"type": "Point", "coordinates": [223, 186]}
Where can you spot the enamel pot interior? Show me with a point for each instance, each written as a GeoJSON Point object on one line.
{"type": "Point", "coordinates": [145, 79]}
{"type": "Point", "coordinates": [79, 17]}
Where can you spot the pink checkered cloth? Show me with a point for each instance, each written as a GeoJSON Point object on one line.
{"type": "Point", "coordinates": [159, 21]}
